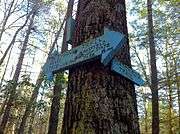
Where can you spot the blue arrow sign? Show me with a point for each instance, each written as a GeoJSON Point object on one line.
{"type": "Point", "coordinates": [105, 47]}
{"type": "Point", "coordinates": [127, 72]}
{"type": "Point", "coordinates": [116, 41]}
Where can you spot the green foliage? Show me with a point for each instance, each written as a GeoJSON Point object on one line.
{"type": "Point", "coordinates": [49, 19]}
{"type": "Point", "coordinates": [165, 16]}
{"type": "Point", "coordinates": [163, 120]}
{"type": "Point", "coordinates": [61, 79]}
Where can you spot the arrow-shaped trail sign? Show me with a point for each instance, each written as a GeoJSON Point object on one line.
{"type": "Point", "coordinates": [127, 72]}
{"type": "Point", "coordinates": [116, 41]}
{"type": "Point", "coordinates": [105, 47]}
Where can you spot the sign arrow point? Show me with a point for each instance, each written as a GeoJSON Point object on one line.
{"type": "Point", "coordinates": [105, 47]}
{"type": "Point", "coordinates": [116, 40]}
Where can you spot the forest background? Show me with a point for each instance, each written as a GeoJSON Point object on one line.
{"type": "Point", "coordinates": [42, 26]}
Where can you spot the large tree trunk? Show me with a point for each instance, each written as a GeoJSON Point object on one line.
{"type": "Point", "coordinates": [15, 78]}
{"type": "Point", "coordinates": [98, 100]}
{"type": "Point", "coordinates": [154, 80]}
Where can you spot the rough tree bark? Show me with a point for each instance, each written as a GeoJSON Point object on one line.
{"type": "Point", "coordinates": [16, 77]}
{"type": "Point", "coordinates": [98, 100]}
{"type": "Point", "coordinates": [154, 80]}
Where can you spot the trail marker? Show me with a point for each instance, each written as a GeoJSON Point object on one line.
{"type": "Point", "coordinates": [103, 47]}
{"type": "Point", "coordinates": [127, 72]}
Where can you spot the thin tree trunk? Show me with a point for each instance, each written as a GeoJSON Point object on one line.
{"type": "Point", "coordinates": [14, 39]}
{"type": "Point", "coordinates": [69, 14]}
{"type": "Point", "coordinates": [169, 87]}
{"type": "Point", "coordinates": [175, 60]}
{"type": "Point", "coordinates": [178, 87]}
{"type": "Point", "coordinates": [170, 109]}
{"type": "Point", "coordinates": [55, 107]}
{"type": "Point", "coordinates": [6, 17]}
{"type": "Point", "coordinates": [37, 87]}
{"type": "Point", "coordinates": [4, 104]}
{"type": "Point", "coordinates": [30, 104]}
{"type": "Point", "coordinates": [154, 80]}
{"type": "Point", "coordinates": [99, 101]}
{"type": "Point", "coordinates": [30, 129]}
{"type": "Point", "coordinates": [142, 67]}
{"type": "Point", "coordinates": [177, 79]}
{"type": "Point", "coordinates": [145, 113]}
{"type": "Point", "coordinates": [16, 77]}
{"type": "Point", "coordinates": [144, 97]}
{"type": "Point", "coordinates": [7, 91]}
{"type": "Point", "coordinates": [2, 79]}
